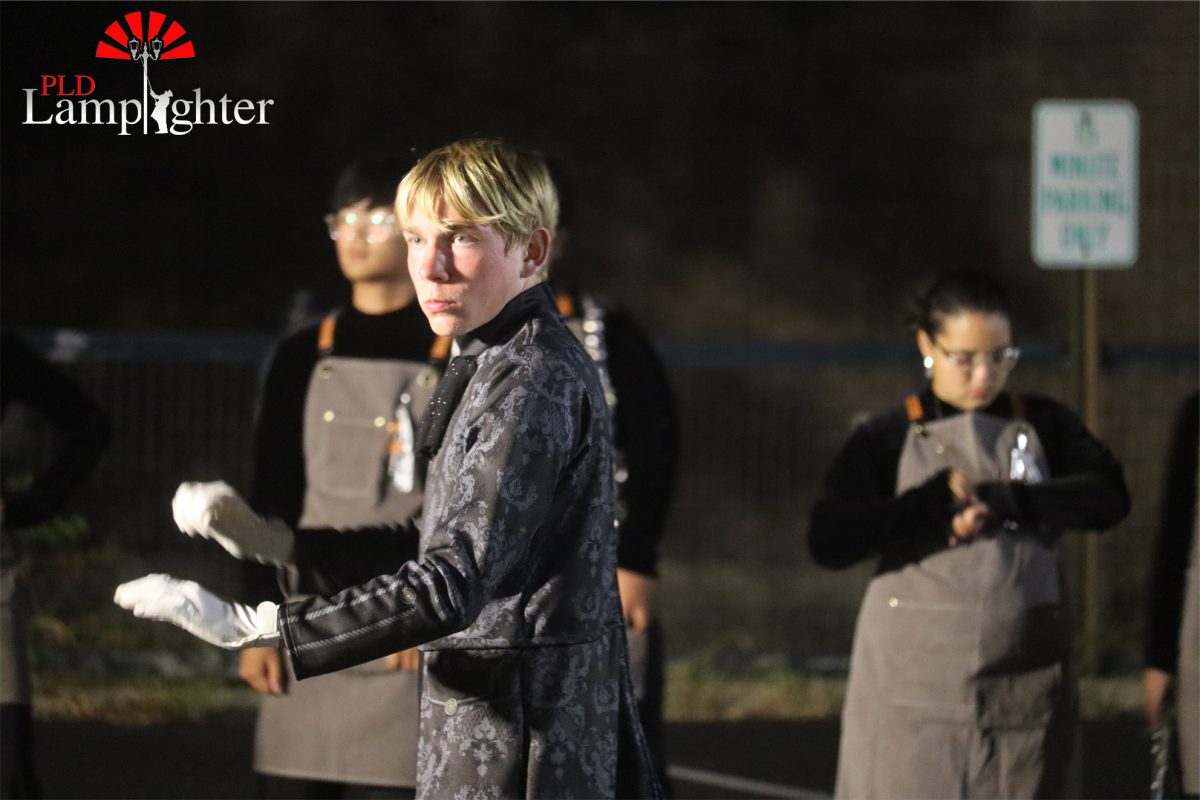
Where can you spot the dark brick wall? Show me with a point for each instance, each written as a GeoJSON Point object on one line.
{"type": "Point", "coordinates": [743, 169]}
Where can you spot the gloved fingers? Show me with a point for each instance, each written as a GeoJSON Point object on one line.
{"type": "Point", "coordinates": [181, 507]}
{"type": "Point", "coordinates": [165, 597]}
{"type": "Point", "coordinates": [194, 504]}
{"type": "Point", "coordinates": [148, 595]}
{"type": "Point", "coordinates": [185, 604]}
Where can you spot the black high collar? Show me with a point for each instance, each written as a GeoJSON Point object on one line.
{"type": "Point", "coordinates": [533, 302]}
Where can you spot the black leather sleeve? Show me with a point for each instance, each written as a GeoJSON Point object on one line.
{"type": "Point", "coordinates": [328, 560]}
{"type": "Point", "coordinates": [421, 602]}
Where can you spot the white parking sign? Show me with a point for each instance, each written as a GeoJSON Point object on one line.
{"type": "Point", "coordinates": [1085, 184]}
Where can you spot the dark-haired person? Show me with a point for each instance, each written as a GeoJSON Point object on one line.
{"type": "Point", "coordinates": [1172, 646]}
{"type": "Point", "coordinates": [333, 448]}
{"type": "Point", "coordinates": [960, 678]}
{"type": "Point", "coordinates": [645, 452]}
{"type": "Point", "coordinates": [80, 432]}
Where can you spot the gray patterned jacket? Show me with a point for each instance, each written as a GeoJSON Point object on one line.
{"type": "Point", "coordinates": [525, 687]}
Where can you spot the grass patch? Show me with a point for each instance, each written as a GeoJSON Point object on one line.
{"type": "Point", "coordinates": [137, 700]}
{"type": "Point", "coordinates": [697, 693]}
{"type": "Point", "coordinates": [693, 693]}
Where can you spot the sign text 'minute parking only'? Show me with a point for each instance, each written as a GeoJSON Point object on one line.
{"type": "Point", "coordinates": [1085, 183]}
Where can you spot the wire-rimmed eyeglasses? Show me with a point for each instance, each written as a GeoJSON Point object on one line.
{"type": "Point", "coordinates": [1002, 358]}
{"type": "Point", "coordinates": [380, 226]}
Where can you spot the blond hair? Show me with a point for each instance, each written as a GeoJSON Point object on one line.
{"type": "Point", "coordinates": [488, 182]}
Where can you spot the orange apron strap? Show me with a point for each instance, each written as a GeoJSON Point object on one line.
{"type": "Point", "coordinates": [439, 349]}
{"type": "Point", "coordinates": [566, 305]}
{"type": "Point", "coordinates": [912, 404]}
{"type": "Point", "coordinates": [325, 334]}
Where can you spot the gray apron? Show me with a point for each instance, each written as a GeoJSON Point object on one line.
{"type": "Point", "coordinates": [958, 679]}
{"type": "Point", "coordinates": [358, 725]}
{"type": "Point", "coordinates": [1188, 693]}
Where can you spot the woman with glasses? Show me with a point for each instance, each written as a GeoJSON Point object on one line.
{"type": "Point", "coordinates": [960, 682]}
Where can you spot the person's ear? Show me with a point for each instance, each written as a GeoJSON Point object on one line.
{"type": "Point", "coordinates": [537, 252]}
{"type": "Point", "coordinates": [924, 344]}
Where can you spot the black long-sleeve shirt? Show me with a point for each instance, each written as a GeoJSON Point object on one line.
{"type": "Point", "coordinates": [1173, 549]}
{"type": "Point", "coordinates": [860, 516]}
{"type": "Point", "coordinates": [645, 431]}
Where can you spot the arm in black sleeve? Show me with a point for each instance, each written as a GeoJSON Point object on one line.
{"type": "Point", "coordinates": [277, 470]}
{"type": "Point", "coordinates": [858, 517]}
{"type": "Point", "coordinates": [1086, 487]}
{"type": "Point", "coordinates": [277, 474]}
{"type": "Point", "coordinates": [328, 560]}
{"type": "Point", "coordinates": [1172, 551]}
{"type": "Point", "coordinates": [647, 435]}
{"type": "Point", "coordinates": [80, 431]}
{"type": "Point", "coordinates": [421, 602]}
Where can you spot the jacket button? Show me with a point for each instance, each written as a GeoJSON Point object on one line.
{"type": "Point", "coordinates": [893, 602]}
{"type": "Point", "coordinates": [329, 416]}
{"type": "Point", "coordinates": [451, 707]}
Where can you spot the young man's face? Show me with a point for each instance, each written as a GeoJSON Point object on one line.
{"type": "Point", "coordinates": [369, 245]}
{"type": "Point", "coordinates": [464, 276]}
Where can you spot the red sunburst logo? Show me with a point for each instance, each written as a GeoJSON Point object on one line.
{"type": "Point", "coordinates": [132, 45]}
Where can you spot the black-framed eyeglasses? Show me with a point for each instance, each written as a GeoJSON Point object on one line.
{"type": "Point", "coordinates": [1003, 358]}
{"type": "Point", "coordinates": [380, 226]}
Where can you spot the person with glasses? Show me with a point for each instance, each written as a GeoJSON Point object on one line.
{"type": "Point", "coordinates": [961, 683]}
{"type": "Point", "coordinates": [333, 448]}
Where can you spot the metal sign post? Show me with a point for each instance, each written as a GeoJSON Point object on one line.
{"type": "Point", "coordinates": [1085, 217]}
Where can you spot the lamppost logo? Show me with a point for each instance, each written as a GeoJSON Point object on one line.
{"type": "Point", "coordinates": [145, 37]}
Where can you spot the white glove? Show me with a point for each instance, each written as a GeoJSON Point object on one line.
{"type": "Point", "coordinates": [200, 612]}
{"type": "Point", "coordinates": [215, 511]}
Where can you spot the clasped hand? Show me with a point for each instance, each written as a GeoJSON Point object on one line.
{"type": "Point", "coordinates": [971, 514]}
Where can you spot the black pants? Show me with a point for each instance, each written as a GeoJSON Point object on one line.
{"type": "Point", "coordinates": [18, 778]}
{"type": "Point", "coordinates": [650, 705]}
{"type": "Point", "coordinates": [274, 787]}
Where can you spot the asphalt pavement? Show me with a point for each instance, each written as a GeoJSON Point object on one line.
{"type": "Point", "coordinates": [742, 759]}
